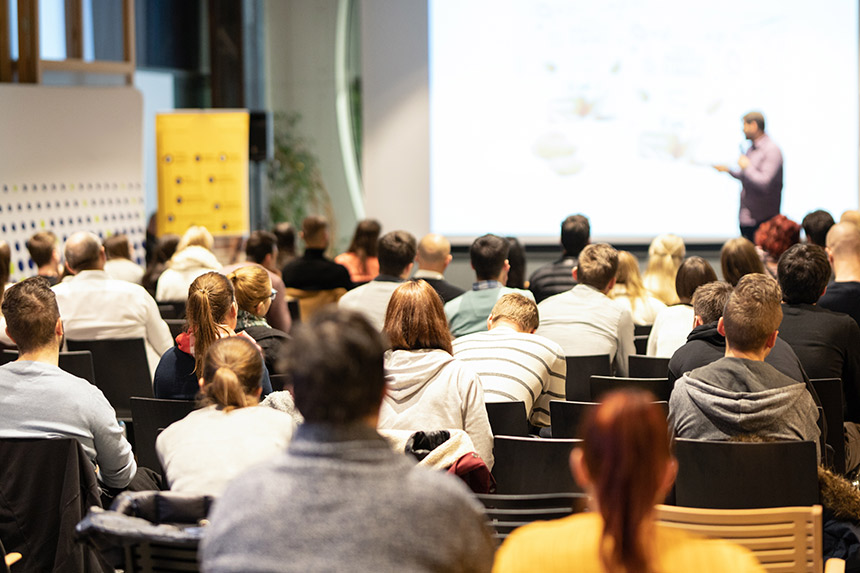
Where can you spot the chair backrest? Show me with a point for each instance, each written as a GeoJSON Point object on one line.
{"type": "Point", "coordinates": [177, 326]}
{"type": "Point", "coordinates": [639, 366]}
{"type": "Point", "coordinates": [279, 382]}
{"type": "Point", "coordinates": [533, 465]}
{"type": "Point", "coordinates": [311, 301]}
{"type": "Point", "coordinates": [642, 329]}
{"type": "Point", "coordinates": [507, 512]}
{"type": "Point", "coordinates": [640, 343]}
{"type": "Point", "coordinates": [829, 391]}
{"type": "Point", "coordinates": [600, 385]}
{"type": "Point", "coordinates": [782, 538]}
{"type": "Point", "coordinates": [742, 475]}
{"type": "Point", "coordinates": [566, 417]}
{"type": "Point", "coordinates": [175, 309]}
{"type": "Point", "coordinates": [148, 415]}
{"type": "Point", "coordinates": [121, 370]}
{"type": "Point", "coordinates": [508, 418]}
{"type": "Point", "coordinates": [78, 363]}
{"type": "Point", "coordinates": [579, 371]}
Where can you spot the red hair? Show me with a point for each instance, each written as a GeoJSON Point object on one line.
{"type": "Point", "coordinates": [777, 234]}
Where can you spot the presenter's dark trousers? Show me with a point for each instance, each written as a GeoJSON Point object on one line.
{"type": "Point", "coordinates": [748, 231]}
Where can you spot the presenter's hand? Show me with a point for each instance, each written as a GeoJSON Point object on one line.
{"type": "Point", "coordinates": [743, 161]}
{"type": "Point", "coordinates": [721, 168]}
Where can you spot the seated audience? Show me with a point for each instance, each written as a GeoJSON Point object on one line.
{"type": "Point", "coordinates": [556, 278]}
{"type": "Point", "coordinates": [468, 312]}
{"type": "Point", "coordinates": [340, 499]}
{"type": "Point", "coordinates": [773, 238]}
{"type": "Point", "coordinates": [428, 389]}
{"type": "Point", "coordinates": [433, 257]}
{"type": "Point", "coordinates": [675, 322]}
{"type": "Point", "coordinates": [254, 295]}
{"type": "Point", "coordinates": [843, 250]}
{"type": "Point", "coordinates": [313, 271]}
{"type": "Point", "coordinates": [119, 264]}
{"type": "Point", "coordinates": [631, 293]}
{"type": "Point", "coordinates": [162, 252]}
{"type": "Point", "coordinates": [815, 225]}
{"type": "Point", "coordinates": [704, 401]}
{"type": "Point", "coordinates": [584, 320]}
{"type": "Point", "coordinates": [192, 258]}
{"type": "Point", "coordinates": [665, 255]}
{"type": "Point", "coordinates": [286, 234]}
{"type": "Point", "coordinates": [625, 464]}
{"type": "Point", "coordinates": [205, 450]}
{"type": "Point", "coordinates": [738, 257]}
{"type": "Point", "coordinates": [360, 257]}
{"type": "Point", "coordinates": [46, 256]}
{"type": "Point", "coordinates": [850, 216]}
{"type": "Point", "coordinates": [97, 307]}
{"type": "Point", "coordinates": [514, 363]}
{"type": "Point", "coordinates": [396, 252]}
{"type": "Point", "coordinates": [211, 313]}
{"type": "Point", "coordinates": [517, 262]}
{"type": "Point", "coordinates": [41, 401]}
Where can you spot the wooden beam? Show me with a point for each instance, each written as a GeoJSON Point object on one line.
{"type": "Point", "coordinates": [29, 71]}
{"type": "Point", "coordinates": [94, 67]}
{"type": "Point", "coordinates": [128, 38]}
{"type": "Point", "coordinates": [74, 29]}
{"type": "Point", "coordinates": [5, 43]}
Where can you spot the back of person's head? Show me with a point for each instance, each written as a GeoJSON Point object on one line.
{"type": "Point", "coordinates": [252, 286]}
{"type": "Point", "coordinates": [314, 230]}
{"type": "Point", "coordinates": [232, 374]}
{"type": "Point", "coordinates": [433, 251]}
{"type": "Point", "coordinates": [517, 261]}
{"type": "Point", "coordinates": [83, 252]}
{"type": "Point", "coordinates": [628, 274]}
{"type": "Point", "coordinates": [665, 254]}
{"type": "Point", "coordinates": [518, 309]}
{"type": "Point", "coordinates": [117, 247]}
{"type": "Point", "coordinates": [755, 117]}
{"type": "Point", "coordinates": [710, 299]}
{"type": "Point", "coordinates": [815, 226]}
{"type": "Point", "coordinates": [843, 241]}
{"type": "Point", "coordinates": [396, 251]}
{"type": "Point", "coordinates": [803, 272]}
{"type": "Point", "coordinates": [210, 300]}
{"type": "Point", "coordinates": [488, 255]}
{"type": "Point", "coordinates": [41, 247]}
{"type": "Point", "coordinates": [753, 312]}
{"type": "Point", "coordinates": [335, 366]}
{"type": "Point", "coordinates": [259, 245]}
{"type": "Point", "coordinates": [365, 239]}
{"type": "Point", "coordinates": [575, 233]}
{"type": "Point", "coordinates": [627, 456]}
{"type": "Point", "coordinates": [415, 318]}
{"type": "Point", "coordinates": [850, 216]}
{"type": "Point", "coordinates": [196, 236]}
{"type": "Point", "coordinates": [31, 312]}
{"type": "Point", "coordinates": [597, 266]}
{"type": "Point", "coordinates": [738, 257]}
{"type": "Point", "coordinates": [693, 273]}
{"type": "Point", "coordinates": [286, 234]}
{"type": "Point", "coordinates": [776, 235]}
{"type": "Point", "coordinates": [166, 248]}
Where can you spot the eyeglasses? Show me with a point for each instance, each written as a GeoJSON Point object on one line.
{"type": "Point", "coordinates": [273, 295]}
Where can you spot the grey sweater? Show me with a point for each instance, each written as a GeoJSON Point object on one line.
{"type": "Point", "coordinates": [735, 396]}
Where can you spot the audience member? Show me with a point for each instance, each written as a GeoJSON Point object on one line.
{"type": "Point", "coordinates": [42, 401]}
{"type": "Point", "coordinates": [557, 277]}
{"type": "Point", "coordinates": [360, 257]}
{"type": "Point", "coordinates": [843, 250]}
{"type": "Point", "coordinates": [313, 271]}
{"type": "Point", "coordinates": [704, 402]}
{"type": "Point", "coordinates": [403, 517]}
{"type": "Point", "coordinates": [850, 216]}
{"type": "Point", "coordinates": [625, 464]}
{"type": "Point", "coordinates": [428, 389]}
{"type": "Point", "coordinates": [815, 225]}
{"type": "Point", "coordinates": [396, 251]}
{"type": "Point", "coordinates": [584, 320]}
{"type": "Point", "coordinates": [162, 252]}
{"type": "Point", "coordinates": [468, 312]}
{"type": "Point", "coordinates": [261, 249]}
{"type": "Point", "coordinates": [433, 257]}
{"type": "Point", "coordinates": [665, 255]}
{"type": "Point", "coordinates": [286, 234]}
{"type": "Point", "coordinates": [5, 270]}
{"type": "Point", "coordinates": [631, 293]}
{"type": "Point", "coordinates": [119, 265]}
{"type": "Point", "coordinates": [513, 363]}
{"type": "Point", "coordinates": [517, 262]}
{"type": "Point", "coordinates": [211, 313]}
{"type": "Point", "coordinates": [97, 307]}
{"type": "Point", "coordinates": [674, 323]}
{"type": "Point", "coordinates": [773, 238]}
{"type": "Point", "coordinates": [192, 258]}
{"type": "Point", "coordinates": [739, 257]}
{"type": "Point", "coordinates": [252, 286]}
{"type": "Point", "coordinates": [205, 450]}
{"type": "Point", "coordinates": [46, 256]}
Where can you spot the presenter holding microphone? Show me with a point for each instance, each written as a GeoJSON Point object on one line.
{"type": "Point", "coordinates": [760, 175]}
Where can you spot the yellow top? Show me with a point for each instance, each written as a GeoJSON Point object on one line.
{"type": "Point", "coordinates": [572, 543]}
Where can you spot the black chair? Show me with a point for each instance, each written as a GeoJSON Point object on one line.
{"type": "Point", "coordinates": [78, 363]}
{"type": "Point", "coordinates": [295, 311]}
{"type": "Point", "coordinates": [174, 309]}
{"type": "Point", "coordinates": [640, 342]}
{"type": "Point", "coordinates": [508, 418]}
{"type": "Point", "coordinates": [639, 366]}
{"type": "Point", "coordinates": [177, 326]}
{"type": "Point", "coordinates": [121, 370]}
{"type": "Point", "coordinates": [149, 415]}
{"type": "Point", "coordinates": [642, 329]}
{"type": "Point", "coordinates": [745, 475]}
{"type": "Point", "coordinates": [533, 465]}
{"type": "Point", "coordinates": [279, 382]}
{"type": "Point", "coordinates": [830, 394]}
{"type": "Point", "coordinates": [600, 385]}
{"type": "Point", "coordinates": [579, 371]}
{"type": "Point", "coordinates": [566, 417]}
{"type": "Point", "coordinates": [507, 512]}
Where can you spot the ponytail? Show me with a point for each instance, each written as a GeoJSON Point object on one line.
{"type": "Point", "coordinates": [225, 390]}
{"type": "Point", "coordinates": [232, 373]}
{"type": "Point", "coordinates": [209, 299]}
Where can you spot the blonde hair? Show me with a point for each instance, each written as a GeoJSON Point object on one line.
{"type": "Point", "coordinates": [196, 236]}
{"type": "Point", "coordinates": [232, 373]}
{"type": "Point", "coordinates": [664, 257]}
{"type": "Point", "coordinates": [518, 309]}
{"type": "Point", "coordinates": [628, 276]}
{"type": "Point", "coordinates": [252, 285]}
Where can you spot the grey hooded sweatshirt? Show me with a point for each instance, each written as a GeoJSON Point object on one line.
{"type": "Point", "coordinates": [735, 396]}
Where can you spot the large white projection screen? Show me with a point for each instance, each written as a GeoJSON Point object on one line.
{"type": "Point", "coordinates": [617, 109]}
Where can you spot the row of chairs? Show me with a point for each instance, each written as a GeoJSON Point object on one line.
{"type": "Point", "coordinates": [581, 369]}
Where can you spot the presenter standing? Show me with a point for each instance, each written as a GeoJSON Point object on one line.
{"type": "Point", "coordinates": [760, 175]}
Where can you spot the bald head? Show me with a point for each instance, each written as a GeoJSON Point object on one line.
{"type": "Point", "coordinates": [84, 252]}
{"type": "Point", "coordinates": [850, 216]}
{"type": "Point", "coordinates": [434, 253]}
{"type": "Point", "coordinates": [843, 241]}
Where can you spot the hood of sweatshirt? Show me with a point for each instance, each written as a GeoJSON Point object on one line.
{"type": "Point", "coordinates": [708, 333]}
{"type": "Point", "coordinates": [408, 371]}
{"type": "Point", "coordinates": [194, 257]}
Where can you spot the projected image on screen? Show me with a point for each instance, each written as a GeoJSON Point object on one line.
{"type": "Point", "coordinates": [619, 110]}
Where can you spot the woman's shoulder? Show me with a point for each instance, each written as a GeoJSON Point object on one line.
{"type": "Point", "coordinates": [681, 551]}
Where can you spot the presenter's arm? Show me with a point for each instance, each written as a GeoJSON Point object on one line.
{"type": "Point", "coordinates": [757, 173]}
